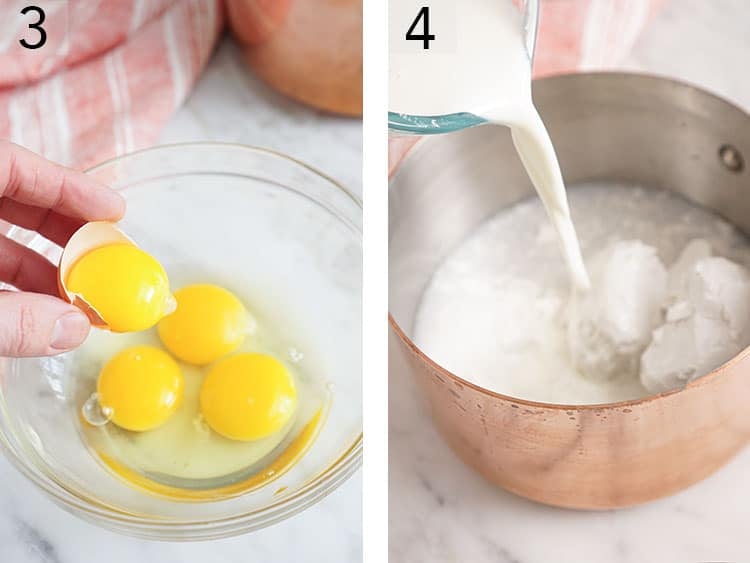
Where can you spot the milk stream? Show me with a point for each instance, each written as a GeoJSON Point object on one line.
{"type": "Point", "coordinates": [486, 71]}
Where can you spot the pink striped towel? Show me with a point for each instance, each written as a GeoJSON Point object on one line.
{"type": "Point", "coordinates": [108, 78]}
{"type": "Point", "coordinates": [588, 34]}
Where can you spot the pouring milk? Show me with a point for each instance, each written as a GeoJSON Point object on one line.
{"type": "Point", "coordinates": [486, 71]}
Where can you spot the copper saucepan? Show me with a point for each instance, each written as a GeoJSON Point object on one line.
{"type": "Point", "coordinates": [637, 129]}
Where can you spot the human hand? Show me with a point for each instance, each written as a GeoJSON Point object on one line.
{"type": "Point", "coordinates": [54, 201]}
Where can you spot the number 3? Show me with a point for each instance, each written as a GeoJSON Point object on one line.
{"type": "Point", "coordinates": [36, 25]}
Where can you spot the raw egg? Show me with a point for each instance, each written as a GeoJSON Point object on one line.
{"type": "Point", "coordinates": [248, 397]}
{"type": "Point", "coordinates": [140, 388]}
{"type": "Point", "coordinates": [118, 285]}
{"type": "Point", "coordinates": [209, 322]}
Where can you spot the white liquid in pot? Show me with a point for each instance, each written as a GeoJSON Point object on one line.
{"type": "Point", "coordinates": [493, 316]}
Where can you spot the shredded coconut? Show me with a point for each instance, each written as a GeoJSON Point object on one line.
{"type": "Point", "coordinates": [669, 302]}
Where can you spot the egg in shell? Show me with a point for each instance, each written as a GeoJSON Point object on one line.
{"type": "Point", "coordinates": [119, 286]}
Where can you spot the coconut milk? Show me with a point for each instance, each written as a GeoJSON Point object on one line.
{"type": "Point", "coordinates": [486, 71]}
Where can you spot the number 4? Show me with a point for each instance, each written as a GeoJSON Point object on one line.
{"type": "Point", "coordinates": [426, 37]}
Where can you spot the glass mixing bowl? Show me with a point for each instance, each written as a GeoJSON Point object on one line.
{"type": "Point", "coordinates": [402, 123]}
{"type": "Point", "coordinates": [268, 223]}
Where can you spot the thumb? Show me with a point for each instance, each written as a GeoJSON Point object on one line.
{"type": "Point", "coordinates": [32, 324]}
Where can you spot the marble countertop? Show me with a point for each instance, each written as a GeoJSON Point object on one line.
{"type": "Point", "coordinates": [441, 511]}
{"type": "Point", "coordinates": [228, 104]}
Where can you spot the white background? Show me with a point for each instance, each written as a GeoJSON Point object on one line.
{"type": "Point", "coordinates": [443, 512]}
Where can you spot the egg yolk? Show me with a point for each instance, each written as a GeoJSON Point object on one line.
{"type": "Point", "coordinates": [125, 285]}
{"type": "Point", "coordinates": [141, 387]}
{"type": "Point", "coordinates": [209, 322]}
{"type": "Point", "coordinates": [248, 397]}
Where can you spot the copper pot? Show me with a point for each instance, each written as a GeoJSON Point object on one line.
{"type": "Point", "coordinates": [310, 50]}
{"type": "Point", "coordinates": [642, 130]}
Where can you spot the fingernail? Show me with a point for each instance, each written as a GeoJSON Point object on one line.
{"type": "Point", "coordinates": [70, 330]}
{"type": "Point", "coordinates": [116, 203]}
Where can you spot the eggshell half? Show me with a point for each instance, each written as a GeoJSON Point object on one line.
{"type": "Point", "coordinates": [89, 237]}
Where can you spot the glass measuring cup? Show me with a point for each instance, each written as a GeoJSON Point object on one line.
{"type": "Point", "coordinates": [402, 123]}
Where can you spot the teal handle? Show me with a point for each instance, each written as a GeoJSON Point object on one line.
{"type": "Point", "coordinates": [432, 124]}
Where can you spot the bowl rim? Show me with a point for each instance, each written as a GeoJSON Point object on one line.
{"type": "Point", "coordinates": [698, 382]}
{"type": "Point", "coordinates": [226, 145]}
{"type": "Point", "coordinates": [312, 491]}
